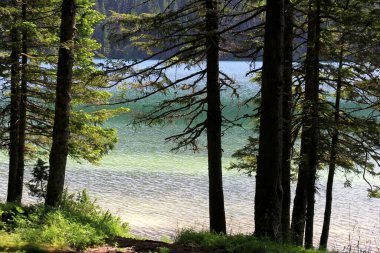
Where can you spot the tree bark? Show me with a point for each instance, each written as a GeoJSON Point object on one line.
{"type": "Point", "coordinates": [61, 131]}
{"type": "Point", "coordinates": [287, 144]}
{"type": "Point", "coordinates": [214, 122]}
{"type": "Point", "coordinates": [300, 199]}
{"type": "Point", "coordinates": [303, 210]}
{"type": "Point", "coordinates": [14, 113]}
{"type": "Point", "coordinates": [313, 154]}
{"type": "Point", "coordinates": [23, 101]}
{"type": "Point", "coordinates": [268, 199]}
{"type": "Point", "coordinates": [333, 156]}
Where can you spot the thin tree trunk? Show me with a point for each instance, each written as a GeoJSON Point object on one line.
{"type": "Point", "coordinates": [287, 120]}
{"type": "Point", "coordinates": [313, 149]}
{"type": "Point", "coordinates": [303, 209]}
{"type": "Point", "coordinates": [14, 113]}
{"type": "Point", "coordinates": [268, 199]}
{"type": "Point", "coordinates": [23, 101]}
{"type": "Point", "coordinates": [214, 122]}
{"type": "Point", "coordinates": [300, 199]}
{"type": "Point", "coordinates": [61, 131]}
{"type": "Point", "coordinates": [333, 156]}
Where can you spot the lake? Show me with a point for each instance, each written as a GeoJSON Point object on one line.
{"type": "Point", "coordinates": [159, 192]}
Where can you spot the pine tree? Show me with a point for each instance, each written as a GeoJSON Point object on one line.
{"type": "Point", "coordinates": [14, 107]}
{"type": "Point", "coordinates": [189, 35]}
{"type": "Point", "coordinates": [268, 198]}
{"type": "Point", "coordinates": [287, 112]}
{"type": "Point", "coordinates": [353, 22]}
{"type": "Point", "coordinates": [214, 120]}
{"type": "Point", "coordinates": [91, 140]}
{"type": "Point", "coordinates": [303, 210]}
{"type": "Point", "coordinates": [61, 132]}
{"type": "Point", "coordinates": [22, 107]}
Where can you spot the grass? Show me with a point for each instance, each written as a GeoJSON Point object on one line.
{"type": "Point", "coordinates": [235, 243]}
{"type": "Point", "coordinates": [77, 223]}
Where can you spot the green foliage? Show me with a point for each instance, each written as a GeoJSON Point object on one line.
{"type": "Point", "coordinates": [90, 139]}
{"type": "Point", "coordinates": [235, 243]}
{"type": "Point", "coordinates": [246, 158]}
{"type": "Point", "coordinates": [40, 174]}
{"type": "Point", "coordinates": [374, 192]}
{"type": "Point", "coordinates": [163, 250]}
{"type": "Point", "coordinates": [11, 215]}
{"type": "Point", "coordinates": [77, 223]}
{"type": "Point", "coordinates": [79, 207]}
{"type": "Point", "coordinates": [59, 231]}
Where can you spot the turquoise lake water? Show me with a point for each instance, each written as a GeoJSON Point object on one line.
{"type": "Point", "coordinates": [159, 192]}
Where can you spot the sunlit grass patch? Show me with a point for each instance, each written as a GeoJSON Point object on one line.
{"type": "Point", "coordinates": [77, 223]}
{"type": "Point", "coordinates": [236, 243]}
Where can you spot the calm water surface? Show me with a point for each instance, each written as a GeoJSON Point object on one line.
{"type": "Point", "coordinates": [159, 192]}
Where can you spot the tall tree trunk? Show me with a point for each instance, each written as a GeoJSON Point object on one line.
{"type": "Point", "coordinates": [14, 112]}
{"type": "Point", "coordinates": [303, 209]}
{"type": "Point", "coordinates": [300, 199]}
{"type": "Point", "coordinates": [268, 199]}
{"type": "Point", "coordinates": [313, 154]}
{"type": "Point", "coordinates": [214, 122]}
{"type": "Point", "coordinates": [333, 156]}
{"type": "Point", "coordinates": [287, 144]}
{"type": "Point", "coordinates": [61, 131]}
{"type": "Point", "coordinates": [23, 101]}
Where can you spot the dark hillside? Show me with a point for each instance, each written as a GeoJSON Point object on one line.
{"type": "Point", "coordinates": [111, 49]}
{"type": "Point", "coordinates": [124, 6]}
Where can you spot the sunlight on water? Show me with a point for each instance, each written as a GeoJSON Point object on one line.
{"type": "Point", "coordinates": [159, 192]}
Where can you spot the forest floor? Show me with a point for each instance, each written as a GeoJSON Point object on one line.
{"type": "Point", "coordinates": [129, 245]}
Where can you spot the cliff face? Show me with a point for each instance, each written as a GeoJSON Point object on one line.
{"type": "Point", "coordinates": [124, 50]}
{"type": "Point", "coordinates": [124, 6]}
{"type": "Point", "coordinates": [127, 6]}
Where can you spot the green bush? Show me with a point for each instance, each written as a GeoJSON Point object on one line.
{"type": "Point", "coordinates": [12, 216]}
{"type": "Point", "coordinates": [80, 208]}
{"type": "Point", "coordinates": [77, 223]}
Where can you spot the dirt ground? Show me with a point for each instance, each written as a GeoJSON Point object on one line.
{"type": "Point", "coordinates": [128, 245]}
